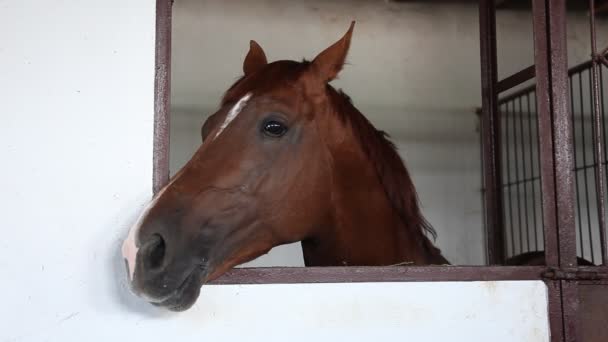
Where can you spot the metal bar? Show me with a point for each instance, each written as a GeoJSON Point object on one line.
{"type": "Point", "coordinates": [507, 148]}
{"type": "Point", "coordinates": [537, 125]}
{"type": "Point", "coordinates": [162, 90]}
{"type": "Point", "coordinates": [564, 162]}
{"type": "Point", "coordinates": [493, 199]}
{"type": "Point", "coordinates": [521, 181]}
{"type": "Point", "coordinates": [517, 94]}
{"type": "Point", "coordinates": [574, 70]}
{"type": "Point", "coordinates": [576, 273]}
{"type": "Point", "coordinates": [533, 178]}
{"type": "Point", "coordinates": [579, 68]}
{"type": "Point", "coordinates": [563, 156]}
{"type": "Point", "coordinates": [585, 167]}
{"type": "Point", "coordinates": [545, 132]}
{"type": "Point", "coordinates": [597, 134]}
{"type": "Point", "coordinates": [583, 138]}
{"type": "Point", "coordinates": [603, 232]}
{"type": "Point", "coordinates": [524, 167]}
{"type": "Point", "coordinates": [349, 274]}
{"type": "Point", "coordinates": [517, 187]}
{"type": "Point", "coordinates": [576, 169]}
{"type": "Point", "coordinates": [595, 167]}
{"type": "Point", "coordinates": [570, 310]}
{"type": "Point", "coordinates": [507, 211]}
{"type": "Point", "coordinates": [516, 79]}
{"type": "Point", "coordinates": [555, 131]}
{"type": "Point", "coordinates": [556, 322]}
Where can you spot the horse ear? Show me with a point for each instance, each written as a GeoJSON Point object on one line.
{"type": "Point", "coordinates": [328, 63]}
{"type": "Point", "coordinates": [256, 58]}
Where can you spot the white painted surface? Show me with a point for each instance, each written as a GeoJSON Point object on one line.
{"type": "Point", "coordinates": [76, 147]}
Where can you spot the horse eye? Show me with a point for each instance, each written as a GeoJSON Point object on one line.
{"type": "Point", "coordinates": [274, 129]}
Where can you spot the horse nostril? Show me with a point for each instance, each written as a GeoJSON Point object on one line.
{"type": "Point", "coordinates": [156, 252]}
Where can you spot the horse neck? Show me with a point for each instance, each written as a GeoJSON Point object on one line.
{"type": "Point", "coordinates": [364, 228]}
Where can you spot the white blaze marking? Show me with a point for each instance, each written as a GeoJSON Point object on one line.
{"type": "Point", "coordinates": [130, 245]}
{"type": "Point", "coordinates": [238, 107]}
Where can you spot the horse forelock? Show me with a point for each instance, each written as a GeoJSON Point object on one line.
{"type": "Point", "coordinates": [275, 75]}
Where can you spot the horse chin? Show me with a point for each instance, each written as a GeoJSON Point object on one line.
{"type": "Point", "coordinates": [182, 298]}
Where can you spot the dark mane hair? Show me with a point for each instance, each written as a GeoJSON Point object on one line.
{"type": "Point", "coordinates": [390, 168]}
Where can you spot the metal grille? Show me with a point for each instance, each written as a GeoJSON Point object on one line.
{"type": "Point", "coordinates": [522, 210]}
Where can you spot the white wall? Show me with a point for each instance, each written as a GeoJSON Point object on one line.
{"type": "Point", "coordinates": [76, 147]}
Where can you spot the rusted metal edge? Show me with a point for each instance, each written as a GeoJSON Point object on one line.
{"type": "Point", "coordinates": [290, 275]}
{"type": "Point", "coordinates": [162, 95]}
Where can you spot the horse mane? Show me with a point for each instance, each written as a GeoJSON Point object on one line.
{"type": "Point", "coordinates": [390, 168]}
{"type": "Point", "coordinates": [376, 144]}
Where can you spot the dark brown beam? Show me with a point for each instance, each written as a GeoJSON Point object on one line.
{"type": "Point", "coordinates": [516, 79]}
{"type": "Point", "coordinates": [353, 274]}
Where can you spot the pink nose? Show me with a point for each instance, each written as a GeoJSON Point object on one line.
{"type": "Point", "coordinates": [129, 252]}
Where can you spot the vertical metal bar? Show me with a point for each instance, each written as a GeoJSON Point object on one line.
{"type": "Point", "coordinates": [555, 310]}
{"type": "Point", "coordinates": [603, 113]}
{"type": "Point", "coordinates": [509, 182]}
{"type": "Point", "coordinates": [557, 183]}
{"type": "Point", "coordinates": [491, 134]}
{"type": "Point", "coordinates": [503, 144]}
{"type": "Point", "coordinates": [545, 130]}
{"type": "Point", "coordinates": [576, 172]}
{"type": "Point", "coordinates": [584, 167]}
{"type": "Point", "coordinates": [516, 182]}
{"type": "Point", "coordinates": [599, 179]}
{"type": "Point", "coordinates": [570, 307]}
{"type": "Point", "coordinates": [531, 144]}
{"type": "Point", "coordinates": [536, 125]}
{"type": "Point", "coordinates": [563, 154]}
{"type": "Point", "coordinates": [603, 232]}
{"type": "Point", "coordinates": [524, 167]}
{"type": "Point", "coordinates": [595, 167]}
{"type": "Point", "coordinates": [162, 90]}
{"type": "Point", "coordinates": [603, 117]}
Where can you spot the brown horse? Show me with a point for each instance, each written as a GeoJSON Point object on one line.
{"type": "Point", "coordinates": [286, 158]}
